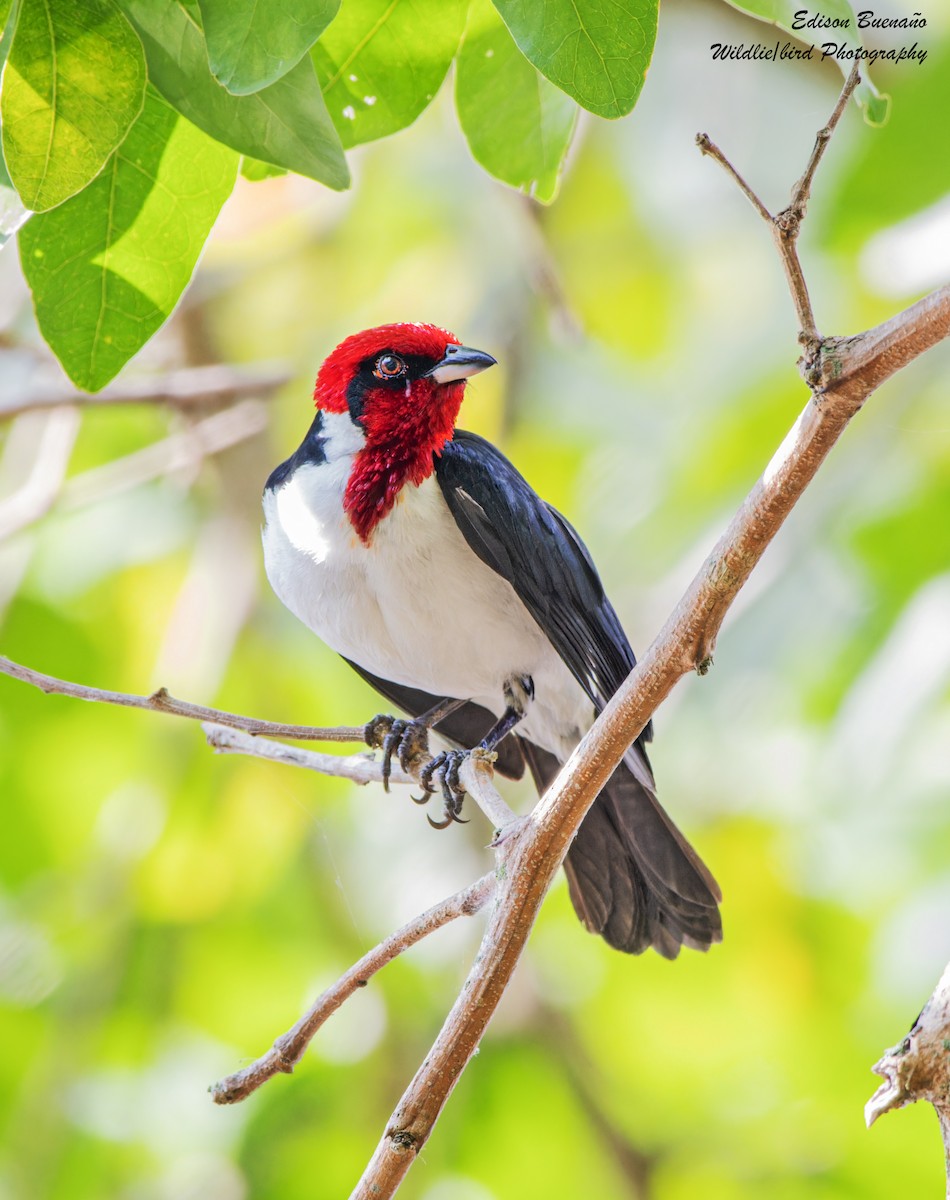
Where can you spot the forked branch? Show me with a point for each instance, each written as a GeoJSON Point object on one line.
{"type": "Point", "coordinates": [847, 372]}
{"type": "Point", "coordinates": [785, 225]}
{"type": "Point", "coordinates": [288, 1050]}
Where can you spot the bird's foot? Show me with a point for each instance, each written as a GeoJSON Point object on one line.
{"type": "Point", "coordinates": [444, 768]}
{"type": "Point", "coordinates": [408, 740]}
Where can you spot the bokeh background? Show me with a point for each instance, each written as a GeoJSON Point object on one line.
{"type": "Point", "coordinates": [165, 913]}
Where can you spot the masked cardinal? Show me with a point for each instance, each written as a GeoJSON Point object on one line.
{"type": "Point", "coordinates": [421, 555]}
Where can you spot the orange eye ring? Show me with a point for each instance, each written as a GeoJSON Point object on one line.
{"type": "Point", "coordinates": [389, 366]}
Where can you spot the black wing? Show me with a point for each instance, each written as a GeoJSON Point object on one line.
{"type": "Point", "coordinates": [529, 543]}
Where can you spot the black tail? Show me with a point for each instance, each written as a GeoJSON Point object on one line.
{"type": "Point", "coordinates": [633, 877]}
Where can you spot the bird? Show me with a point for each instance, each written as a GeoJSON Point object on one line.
{"type": "Point", "coordinates": [420, 554]}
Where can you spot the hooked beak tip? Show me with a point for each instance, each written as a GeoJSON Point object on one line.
{"type": "Point", "coordinates": [460, 362]}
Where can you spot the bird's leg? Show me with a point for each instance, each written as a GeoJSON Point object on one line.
{"type": "Point", "coordinates": [519, 692]}
{"type": "Point", "coordinates": [408, 739]}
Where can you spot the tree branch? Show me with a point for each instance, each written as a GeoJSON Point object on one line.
{"type": "Point", "coordinates": [358, 768]}
{"type": "Point", "coordinates": [162, 701]}
{"type": "Point", "coordinates": [849, 370]}
{"type": "Point", "coordinates": [287, 1050]}
{"type": "Point", "coordinates": [786, 225]}
{"type": "Point", "coordinates": [189, 388]}
{"type": "Point", "coordinates": [918, 1068]}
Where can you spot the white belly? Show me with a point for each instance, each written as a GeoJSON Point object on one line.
{"type": "Point", "coordinates": [416, 606]}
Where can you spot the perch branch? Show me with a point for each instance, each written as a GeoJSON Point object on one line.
{"type": "Point", "coordinates": [918, 1068]}
{"type": "Point", "coordinates": [476, 774]}
{"type": "Point", "coordinates": [162, 701]}
{"type": "Point", "coordinates": [358, 768]}
{"type": "Point", "coordinates": [230, 733]}
{"type": "Point", "coordinates": [848, 371]}
{"type": "Point", "coordinates": [287, 1050]}
{"type": "Point", "coordinates": [188, 388]}
{"type": "Point", "coordinates": [786, 225]}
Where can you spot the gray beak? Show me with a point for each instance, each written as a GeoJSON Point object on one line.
{"type": "Point", "coordinates": [459, 363]}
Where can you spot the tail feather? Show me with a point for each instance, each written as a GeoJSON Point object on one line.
{"type": "Point", "coordinates": [633, 877]}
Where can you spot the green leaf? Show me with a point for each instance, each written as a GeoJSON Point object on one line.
{"type": "Point", "coordinates": [381, 62]}
{"type": "Point", "coordinates": [254, 170]}
{"type": "Point", "coordinates": [598, 53]}
{"type": "Point", "coordinates": [6, 8]}
{"type": "Point", "coordinates": [252, 44]}
{"type": "Point", "coordinates": [73, 85]}
{"type": "Point", "coordinates": [286, 124]}
{"type": "Point", "coordinates": [875, 104]}
{"type": "Point", "coordinates": [517, 124]}
{"type": "Point", "coordinates": [107, 267]}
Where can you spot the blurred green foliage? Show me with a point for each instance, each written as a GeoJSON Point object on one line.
{"type": "Point", "coordinates": [165, 913]}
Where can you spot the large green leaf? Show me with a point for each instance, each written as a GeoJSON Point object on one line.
{"type": "Point", "coordinates": [286, 123]}
{"type": "Point", "coordinates": [381, 62]}
{"type": "Point", "coordinates": [6, 7]}
{"type": "Point", "coordinates": [107, 267]}
{"type": "Point", "coordinates": [517, 124]}
{"type": "Point", "coordinates": [783, 14]}
{"type": "Point", "coordinates": [251, 44]}
{"type": "Point", "coordinates": [73, 85]}
{"type": "Point", "coordinates": [596, 52]}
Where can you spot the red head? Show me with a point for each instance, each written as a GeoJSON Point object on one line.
{"type": "Point", "coordinates": [403, 385]}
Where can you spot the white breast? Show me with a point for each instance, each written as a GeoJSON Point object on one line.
{"type": "Point", "coordinates": [416, 606]}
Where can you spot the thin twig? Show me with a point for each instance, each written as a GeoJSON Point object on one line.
{"type": "Point", "coordinates": [358, 768]}
{"type": "Point", "coordinates": [476, 774]}
{"type": "Point", "coordinates": [801, 193]}
{"type": "Point", "coordinates": [709, 147]}
{"type": "Point", "coordinates": [287, 1050]}
{"type": "Point", "coordinates": [191, 387]}
{"type": "Point", "coordinates": [162, 701]}
{"type": "Point", "coordinates": [477, 777]}
{"type": "Point", "coordinates": [786, 225]}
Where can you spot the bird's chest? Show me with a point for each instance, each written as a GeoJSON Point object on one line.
{"type": "Point", "coordinates": [415, 605]}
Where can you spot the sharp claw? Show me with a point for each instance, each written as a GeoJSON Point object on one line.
{"type": "Point", "coordinates": [389, 745]}
{"type": "Point", "coordinates": [439, 824]}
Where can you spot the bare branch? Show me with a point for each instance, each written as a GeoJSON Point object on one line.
{"type": "Point", "coordinates": [918, 1068]}
{"type": "Point", "coordinates": [531, 855]}
{"type": "Point", "coordinates": [707, 146]}
{"type": "Point", "coordinates": [182, 450]}
{"type": "Point", "coordinates": [476, 774]}
{"type": "Point", "coordinates": [289, 1049]}
{"type": "Point", "coordinates": [230, 733]}
{"type": "Point", "coordinates": [162, 701]}
{"type": "Point", "coordinates": [786, 225]}
{"type": "Point", "coordinates": [358, 768]}
{"type": "Point", "coordinates": [801, 193]}
{"type": "Point", "coordinates": [477, 777]}
{"type": "Point", "coordinates": [189, 388]}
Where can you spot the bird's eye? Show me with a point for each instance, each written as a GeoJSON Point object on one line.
{"type": "Point", "coordinates": [389, 366]}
